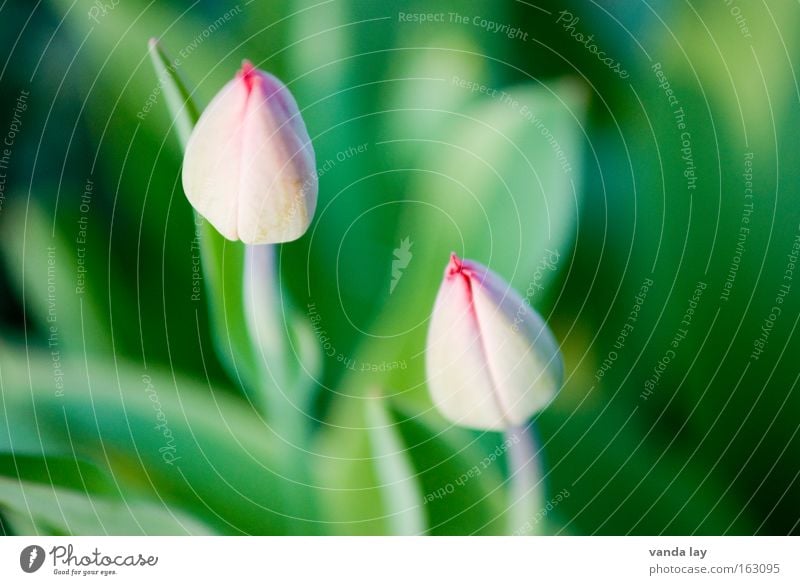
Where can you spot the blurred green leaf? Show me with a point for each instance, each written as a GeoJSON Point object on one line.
{"type": "Point", "coordinates": [403, 498]}
{"type": "Point", "coordinates": [163, 437]}
{"type": "Point", "coordinates": [223, 273]}
{"type": "Point", "coordinates": [620, 482]}
{"type": "Point", "coordinates": [502, 189]}
{"type": "Point", "coordinates": [44, 267]}
{"type": "Point", "coordinates": [149, 252]}
{"type": "Point", "coordinates": [426, 98]}
{"type": "Point", "coordinates": [364, 460]}
{"type": "Point", "coordinates": [179, 102]}
{"type": "Point", "coordinates": [52, 511]}
{"type": "Point", "coordinates": [62, 469]}
{"type": "Point", "coordinates": [361, 467]}
{"type": "Point", "coordinates": [464, 491]}
{"type": "Point", "coordinates": [496, 191]}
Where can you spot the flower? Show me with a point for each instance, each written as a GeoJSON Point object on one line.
{"type": "Point", "coordinates": [491, 361]}
{"type": "Point", "coordinates": [249, 166]}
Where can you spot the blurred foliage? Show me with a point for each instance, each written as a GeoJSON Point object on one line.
{"type": "Point", "coordinates": [405, 150]}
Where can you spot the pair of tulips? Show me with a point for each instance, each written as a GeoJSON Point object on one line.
{"type": "Point", "coordinates": [250, 170]}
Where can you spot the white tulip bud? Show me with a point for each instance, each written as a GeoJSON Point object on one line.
{"type": "Point", "coordinates": [249, 166]}
{"type": "Point", "coordinates": [491, 361]}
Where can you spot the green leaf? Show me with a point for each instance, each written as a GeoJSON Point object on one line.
{"type": "Point", "coordinates": [502, 189]}
{"type": "Point", "coordinates": [463, 485]}
{"type": "Point", "coordinates": [403, 497]}
{"type": "Point", "coordinates": [362, 468]}
{"type": "Point", "coordinates": [622, 483]}
{"type": "Point", "coordinates": [425, 102]}
{"type": "Point", "coordinates": [386, 473]}
{"type": "Point", "coordinates": [178, 98]}
{"type": "Point", "coordinates": [61, 469]}
{"type": "Point", "coordinates": [162, 437]}
{"type": "Point", "coordinates": [44, 267]}
{"type": "Point", "coordinates": [223, 273]}
{"type": "Point", "coordinates": [47, 510]}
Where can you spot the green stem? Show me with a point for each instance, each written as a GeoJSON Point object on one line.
{"type": "Point", "coordinates": [527, 484]}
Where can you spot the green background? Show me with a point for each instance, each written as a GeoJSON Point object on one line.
{"type": "Point", "coordinates": [712, 450]}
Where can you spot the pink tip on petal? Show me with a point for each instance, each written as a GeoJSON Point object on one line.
{"type": "Point", "coordinates": [455, 265]}
{"type": "Point", "coordinates": [248, 73]}
{"type": "Point", "coordinates": [152, 43]}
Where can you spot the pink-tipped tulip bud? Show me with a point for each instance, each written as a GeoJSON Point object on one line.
{"type": "Point", "coordinates": [491, 361]}
{"type": "Point", "coordinates": [249, 166]}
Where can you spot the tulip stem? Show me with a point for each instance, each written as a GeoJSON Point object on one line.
{"type": "Point", "coordinates": [526, 481]}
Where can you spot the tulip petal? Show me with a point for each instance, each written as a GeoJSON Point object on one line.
{"type": "Point", "coordinates": [491, 360]}
{"type": "Point", "coordinates": [249, 165]}
{"type": "Point", "coordinates": [456, 367]}
{"type": "Point", "coordinates": [211, 164]}
{"type": "Point", "coordinates": [523, 356]}
{"type": "Point", "coordinates": [278, 188]}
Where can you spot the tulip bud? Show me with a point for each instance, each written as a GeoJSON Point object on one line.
{"type": "Point", "coordinates": [249, 166]}
{"type": "Point", "coordinates": [491, 361]}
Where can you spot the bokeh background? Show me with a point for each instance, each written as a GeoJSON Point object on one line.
{"type": "Point", "coordinates": [631, 167]}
